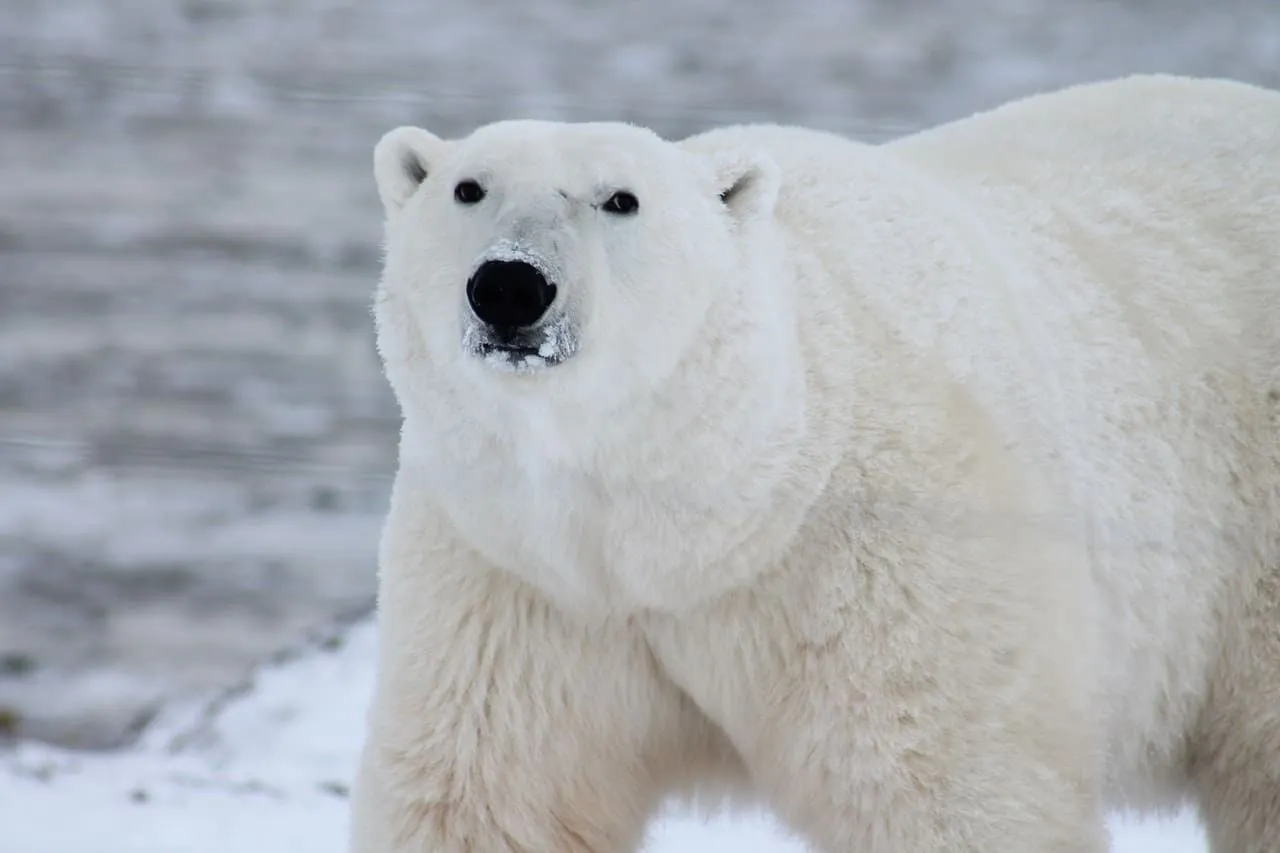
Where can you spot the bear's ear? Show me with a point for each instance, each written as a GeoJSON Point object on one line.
{"type": "Point", "coordinates": [747, 183]}
{"type": "Point", "coordinates": [402, 159]}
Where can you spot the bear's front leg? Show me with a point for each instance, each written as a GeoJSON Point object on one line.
{"type": "Point", "coordinates": [499, 724]}
{"type": "Point", "coordinates": [931, 703]}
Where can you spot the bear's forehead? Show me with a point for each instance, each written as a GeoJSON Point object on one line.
{"type": "Point", "coordinates": [560, 150]}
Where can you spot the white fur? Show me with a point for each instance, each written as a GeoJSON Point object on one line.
{"type": "Point", "coordinates": [929, 492]}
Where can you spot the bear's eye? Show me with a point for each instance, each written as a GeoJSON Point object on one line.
{"type": "Point", "coordinates": [468, 192]}
{"type": "Point", "coordinates": [622, 203]}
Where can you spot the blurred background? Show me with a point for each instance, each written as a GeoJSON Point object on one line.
{"type": "Point", "coordinates": [196, 441]}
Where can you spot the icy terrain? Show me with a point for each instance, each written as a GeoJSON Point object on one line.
{"type": "Point", "coordinates": [268, 768]}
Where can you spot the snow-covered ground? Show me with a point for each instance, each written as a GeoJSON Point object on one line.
{"type": "Point", "coordinates": [266, 769]}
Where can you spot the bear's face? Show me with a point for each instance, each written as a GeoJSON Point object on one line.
{"type": "Point", "coordinates": [591, 336]}
{"type": "Point", "coordinates": [580, 260]}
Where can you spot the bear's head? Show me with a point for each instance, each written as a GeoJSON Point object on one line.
{"type": "Point", "coordinates": [571, 259]}
{"type": "Point", "coordinates": [583, 316]}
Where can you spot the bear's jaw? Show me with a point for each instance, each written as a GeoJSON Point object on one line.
{"type": "Point", "coordinates": [525, 351]}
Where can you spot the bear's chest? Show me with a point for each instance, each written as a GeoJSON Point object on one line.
{"type": "Point", "coordinates": [593, 547]}
{"type": "Point", "coordinates": [540, 524]}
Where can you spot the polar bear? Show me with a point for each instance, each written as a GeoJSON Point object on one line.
{"type": "Point", "coordinates": [926, 492]}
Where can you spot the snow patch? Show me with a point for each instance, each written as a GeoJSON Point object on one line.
{"type": "Point", "coordinates": [268, 767]}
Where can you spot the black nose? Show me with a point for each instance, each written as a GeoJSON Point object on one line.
{"type": "Point", "coordinates": [509, 294]}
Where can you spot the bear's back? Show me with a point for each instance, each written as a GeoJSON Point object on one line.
{"type": "Point", "coordinates": [1100, 268]}
{"type": "Point", "coordinates": [1147, 212]}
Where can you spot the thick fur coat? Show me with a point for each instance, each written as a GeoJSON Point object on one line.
{"type": "Point", "coordinates": [927, 492]}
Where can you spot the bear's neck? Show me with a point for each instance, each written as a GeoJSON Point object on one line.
{"type": "Point", "coordinates": [714, 499]}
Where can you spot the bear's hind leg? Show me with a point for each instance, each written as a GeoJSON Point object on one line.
{"type": "Point", "coordinates": [1235, 751]}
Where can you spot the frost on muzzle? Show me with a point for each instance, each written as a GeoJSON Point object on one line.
{"type": "Point", "coordinates": [516, 322]}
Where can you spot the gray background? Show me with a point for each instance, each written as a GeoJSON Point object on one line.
{"type": "Point", "coordinates": [195, 438]}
